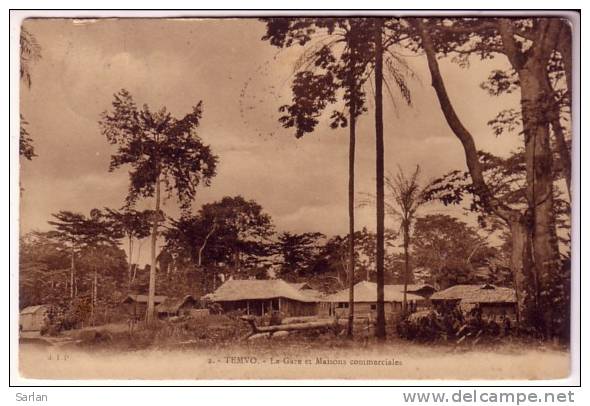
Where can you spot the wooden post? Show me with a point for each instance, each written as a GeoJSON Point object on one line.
{"type": "Point", "coordinates": [248, 307]}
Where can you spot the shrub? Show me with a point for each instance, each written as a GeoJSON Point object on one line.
{"type": "Point", "coordinates": [449, 325]}
{"type": "Point", "coordinates": [94, 336]}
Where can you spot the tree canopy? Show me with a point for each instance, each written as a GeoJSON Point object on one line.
{"type": "Point", "coordinates": [450, 249]}
{"type": "Point", "coordinates": [155, 144]}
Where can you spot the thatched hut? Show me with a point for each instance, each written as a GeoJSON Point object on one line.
{"type": "Point", "coordinates": [365, 300]}
{"type": "Point", "coordinates": [260, 297]}
{"type": "Point", "coordinates": [176, 306]}
{"type": "Point", "coordinates": [136, 305]}
{"type": "Point", "coordinates": [491, 300]}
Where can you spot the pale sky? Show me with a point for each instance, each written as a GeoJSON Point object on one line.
{"type": "Point", "coordinates": [301, 183]}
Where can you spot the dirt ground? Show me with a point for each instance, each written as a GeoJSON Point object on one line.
{"type": "Point", "coordinates": [298, 359]}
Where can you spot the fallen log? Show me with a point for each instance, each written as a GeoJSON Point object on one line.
{"type": "Point", "coordinates": [301, 319]}
{"type": "Point", "coordinates": [288, 327]}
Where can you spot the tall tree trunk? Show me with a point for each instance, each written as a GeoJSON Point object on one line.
{"type": "Point", "coordinates": [536, 102]}
{"type": "Point", "coordinates": [152, 286]}
{"type": "Point", "coordinates": [564, 152]}
{"type": "Point", "coordinates": [94, 295]}
{"type": "Point", "coordinates": [201, 249]}
{"type": "Point", "coordinates": [525, 285]}
{"type": "Point", "coordinates": [380, 174]}
{"type": "Point", "coordinates": [539, 166]}
{"type": "Point", "coordinates": [72, 274]}
{"type": "Point", "coordinates": [351, 159]}
{"type": "Point", "coordinates": [564, 47]}
{"type": "Point", "coordinates": [406, 265]}
{"type": "Point", "coordinates": [130, 267]}
{"type": "Point", "coordinates": [522, 254]}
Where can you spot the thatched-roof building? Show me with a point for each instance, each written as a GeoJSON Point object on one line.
{"type": "Point", "coordinates": [491, 300]}
{"type": "Point", "coordinates": [136, 305]}
{"type": "Point", "coordinates": [365, 300]}
{"type": "Point", "coordinates": [176, 306]}
{"type": "Point", "coordinates": [259, 297]}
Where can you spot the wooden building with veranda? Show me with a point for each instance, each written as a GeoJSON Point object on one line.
{"type": "Point", "coordinates": [365, 301]}
{"type": "Point", "coordinates": [260, 297]}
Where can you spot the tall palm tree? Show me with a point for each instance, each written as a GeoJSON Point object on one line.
{"type": "Point", "coordinates": [341, 54]}
{"type": "Point", "coordinates": [338, 63]}
{"type": "Point", "coordinates": [406, 196]}
{"type": "Point", "coordinates": [380, 174]}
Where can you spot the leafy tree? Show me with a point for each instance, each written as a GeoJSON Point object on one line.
{"type": "Point", "coordinates": [332, 261]}
{"type": "Point", "coordinates": [30, 52]}
{"type": "Point", "coordinates": [188, 252]}
{"type": "Point", "coordinates": [298, 253]}
{"type": "Point", "coordinates": [331, 268]}
{"type": "Point", "coordinates": [506, 178]}
{"type": "Point", "coordinates": [105, 264]}
{"type": "Point", "coordinates": [243, 234]}
{"type": "Point", "coordinates": [135, 226]}
{"type": "Point", "coordinates": [160, 149]}
{"type": "Point", "coordinates": [69, 229]}
{"type": "Point", "coordinates": [26, 148]}
{"type": "Point", "coordinates": [43, 276]}
{"type": "Point", "coordinates": [232, 233]}
{"type": "Point", "coordinates": [529, 44]}
{"type": "Point", "coordinates": [188, 238]}
{"type": "Point", "coordinates": [450, 249]}
{"type": "Point", "coordinates": [100, 241]}
{"type": "Point", "coordinates": [91, 244]}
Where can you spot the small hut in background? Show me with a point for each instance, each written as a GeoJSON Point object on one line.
{"type": "Point", "coordinates": [300, 285]}
{"type": "Point", "coordinates": [491, 300]}
{"type": "Point", "coordinates": [34, 318]}
{"type": "Point", "coordinates": [260, 297]}
{"type": "Point", "coordinates": [307, 290]}
{"type": "Point", "coordinates": [176, 306]}
{"type": "Point", "coordinates": [365, 300]}
{"type": "Point", "coordinates": [136, 305]}
{"type": "Point", "coordinates": [322, 304]}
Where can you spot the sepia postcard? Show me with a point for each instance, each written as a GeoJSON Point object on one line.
{"type": "Point", "coordinates": [301, 197]}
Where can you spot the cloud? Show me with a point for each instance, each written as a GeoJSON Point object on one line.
{"type": "Point", "coordinates": [301, 183]}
